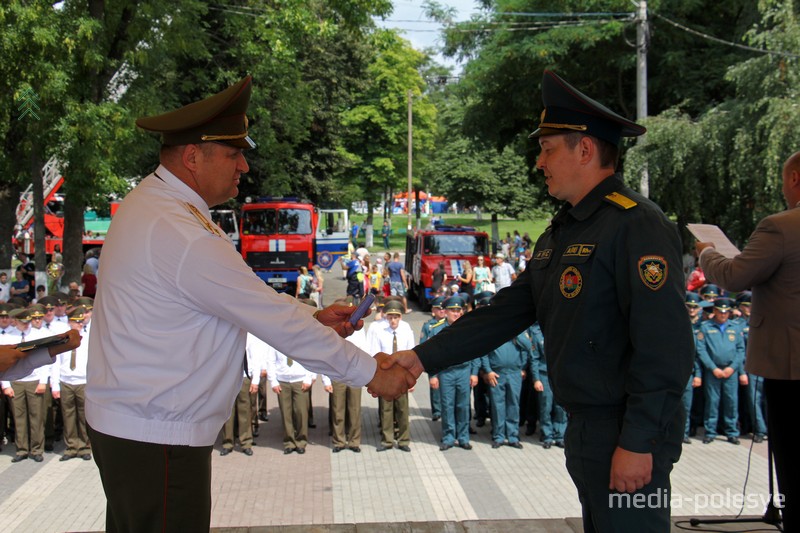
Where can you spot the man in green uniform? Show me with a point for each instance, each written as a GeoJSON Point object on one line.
{"type": "Point", "coordinates": [605, 284]}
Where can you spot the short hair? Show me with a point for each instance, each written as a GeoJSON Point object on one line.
{"type": "Point", "coordinates": [608, 152]}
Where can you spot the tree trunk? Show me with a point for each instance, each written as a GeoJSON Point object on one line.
{"type": "Point", "coordinates": [9, 198]}
{"type": "Point", "coordinates": [39, 231]}
{"type": "Point", "coordinates": [495, 234]}
{"type": "Point", "coordinates": [74, 206]}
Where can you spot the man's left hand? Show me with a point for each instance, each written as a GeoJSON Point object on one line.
{"type": "Point", "coordinates": [338, 317]}
{"type": "Point", "coordinates": [630, 471]}
{"type": "Point", "coordinates": [700, 246]}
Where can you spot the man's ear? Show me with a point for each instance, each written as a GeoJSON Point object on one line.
{"type": "Point", "coordinates": [587, 149]}
{"type": "Point", "coordinates": [190, 156]}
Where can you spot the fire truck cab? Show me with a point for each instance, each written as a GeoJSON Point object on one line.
{"type": "Point", "coordinates": [277, 237]}
{"type": "Point", "coordinates": [452, 245]}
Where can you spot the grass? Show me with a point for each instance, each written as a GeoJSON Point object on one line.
{"type": "Point", "coordinates": [397, 241]}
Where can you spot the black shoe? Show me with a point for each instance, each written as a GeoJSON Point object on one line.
{"type": "Point", "coordinates": [66, 458]}
{"type": "Point", "coordinates": [436, 418]}
{"type": "Point", "coordinates": [312, 425]}
{"type": "Point", "coordinates": [466, 446]}
{"type": "Point", "coordinates": [263, 418]}
{"type": "Point", "coordinates": [48, 446]}
{"type": "Point", "coordinates": [559, 443]}
{"type": "Point", "coordinates": [301, 451]}
{"type": "Point", "coordinates": [734, 440]}
{"type": "Point", "coordinates": [337, 449]}
{"type": "Point", "coordinates": [496, 445]}
{"type": "Point", "coordinates": [18, 458]}
{"type": "Point", "coordinates": [287, 451]}
{"type": "Point", "coordinates": [473, 431]}
{"type": "Point", "coordinates": [355, 449]}
{"type": "Point", "coordinates": [384, 448]}
{"type": "Point", "coordinates": [86, 457]}
{"type": "Point", "coordinates": [517, 445]}
{"type": "Point", "coordinates": [708, 440]}
{"type": "Point", "coordinates": [687, 440]}
{"type": "Point", "coordinates": [404, 448]}
{"type": "Point", "coordinates": [547, 444]}
{"type": "Point", "coordinates": [481, 422]}
{"type": "Point", "coordinates": [255, 432]}
{"type": "Point", "coordinates": [225, 451]}
{"type": "Point", "coordinates": [445, 447]}
{"type": "Point", "coordinates": [530, 430]}
{"type": "Point", "coordinates": [248, 451]}
{"type": "Point", "coordinates": [758, 438]}
{"type": "Point", "coordinates": [38, 458]}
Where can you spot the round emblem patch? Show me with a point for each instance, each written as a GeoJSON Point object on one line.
{"type": "Point", "coordinates": [653, 271]}
{"type": "Point", "coordinates": [325, 259]}
{"type": "Point", "coordinates": [570, 283]}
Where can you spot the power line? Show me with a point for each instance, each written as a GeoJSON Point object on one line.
{"type": "Point", "coordinates": [722, 41]}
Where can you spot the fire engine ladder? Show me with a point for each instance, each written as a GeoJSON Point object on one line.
{"type": "Point", "coordinates": [51, 179]}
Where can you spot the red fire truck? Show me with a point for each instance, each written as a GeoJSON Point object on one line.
{"type": "Point", "coordinates": [452, 245]}
{"type": "Point", "coordinates": [279, 235]}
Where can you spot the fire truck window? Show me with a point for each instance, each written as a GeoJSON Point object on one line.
{"type": "Point", "coordinates": [255, 222]}
{"type": "Point", "coordinates": [294, 222]}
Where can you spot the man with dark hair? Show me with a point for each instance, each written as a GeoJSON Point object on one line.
{"type": "Point", "coordinates": [606, 286]}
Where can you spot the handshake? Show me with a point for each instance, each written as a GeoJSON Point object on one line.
{"type": "Point", "coordinates": [395, 375]}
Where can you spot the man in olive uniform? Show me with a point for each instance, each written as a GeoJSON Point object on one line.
{"type": "Point", "coordinates": [606, 285]}
{"type": "Point", "coordinates": [429, 329]}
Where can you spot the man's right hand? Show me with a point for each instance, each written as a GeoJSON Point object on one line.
{"type": "Point", "coordinates": [491, 379]}
{"type": "Point", "coordinates": [9, 356]}
{"type": "Point", "coordinates": [391, 380]}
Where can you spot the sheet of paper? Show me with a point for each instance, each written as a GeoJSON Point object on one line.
{"type": "Point", "coordinates": [712, 233]}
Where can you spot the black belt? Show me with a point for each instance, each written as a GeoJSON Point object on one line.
{"type": "Point", "coordinates": [602, 412]}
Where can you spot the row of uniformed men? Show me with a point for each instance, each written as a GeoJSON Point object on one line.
{"type": "Point", "coordinates": [30, 400]}
{"type": "Point", "coordinates": [719, 373]}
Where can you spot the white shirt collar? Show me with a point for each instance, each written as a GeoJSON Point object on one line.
{"type": "Point", "coordinates": [174, 182]}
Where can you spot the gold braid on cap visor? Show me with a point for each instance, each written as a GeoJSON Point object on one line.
{"type": "Point", "coordinates": [227, 137]}
{"type": "Point", "coordinates": [552, 125]}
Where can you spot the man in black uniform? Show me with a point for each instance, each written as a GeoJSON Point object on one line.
{"type": "Point", "coordinates": [605, 284]}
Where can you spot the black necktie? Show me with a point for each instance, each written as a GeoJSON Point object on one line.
{"type": "Point", "coordinates": [246, 367]}
{"type": "Point", "coordinates": [394, 341]}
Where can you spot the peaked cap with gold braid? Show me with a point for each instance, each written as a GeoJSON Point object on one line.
{"type": "Point", "coordinates": [218, 118]}
{"type": "Point", "coordinates": [567, 110]}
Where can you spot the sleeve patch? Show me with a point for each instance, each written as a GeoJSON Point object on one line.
{"type": "Point", "coordinates": [653, 271]}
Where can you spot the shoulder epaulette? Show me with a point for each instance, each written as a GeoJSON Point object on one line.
{"type": "Point", "coordinates": [620, 200]}
{"type": "Point", "coordinates": [437, 324]}
{"type": "Point", "coordinates": [210, 226]}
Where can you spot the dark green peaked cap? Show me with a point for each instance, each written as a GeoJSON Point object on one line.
{"type": "Point", "coordinates": [218, 118]}
{"type": "Point", "coordinates": [568, 110]}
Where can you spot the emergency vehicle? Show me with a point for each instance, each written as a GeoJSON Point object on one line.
{"type": "Point", "coordinates": [279, 235]}
{"type": "Point", "coordinates": [453, 245]}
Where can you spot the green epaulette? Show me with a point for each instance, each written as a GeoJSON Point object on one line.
{"type": "Point", "coordinates": [620, 200]}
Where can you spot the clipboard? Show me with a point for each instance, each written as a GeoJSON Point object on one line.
{"type": "Point", "coordinates": [44, 342]}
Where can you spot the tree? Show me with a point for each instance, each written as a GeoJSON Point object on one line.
{"type": "Point", "coordinates": [724, 166]}
{"type": "Point", "coordinates": [377, 123]}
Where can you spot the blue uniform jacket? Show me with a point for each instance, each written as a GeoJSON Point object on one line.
{"type": "Point", "coordinates": [720, 349]}
{"type": "Point", "coordinates": [515, 354]}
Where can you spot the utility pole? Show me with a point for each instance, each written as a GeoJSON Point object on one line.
{"type": "Point", "coordinates": [410, 154]}
{"type": "Point", "coordinates": [642, 38]}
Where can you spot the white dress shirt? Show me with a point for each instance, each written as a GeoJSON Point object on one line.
{"type": "Point", "coordinates": [35, 367]}
{"type": "Point", "coordinates": [383, 337]}
{"type": "Point", "coordinates": [61, 372]}
{"type": "Point", "coordinates": [168, 330]}
{"type": "Point", "coordinates": [279, 369]}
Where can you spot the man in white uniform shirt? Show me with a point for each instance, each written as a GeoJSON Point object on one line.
{"type": "Point", "coordinates": [241, 412]}
{"type": "Point", "coordinates": [290, 381]}
{"type": "Point", "coordinates": [173, 306]}
{"type": "Point", "coordinates": [68, 383]}
{"type": "Point", "coordinates": [392, 335]}
{"type": "Point", "coordinates": [27, 394]}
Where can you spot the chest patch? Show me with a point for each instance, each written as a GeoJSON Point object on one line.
{"type": "Point", "coordinates": [570, 283]}
{"type": "Point", "coordinates": [653, 271]}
